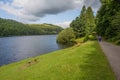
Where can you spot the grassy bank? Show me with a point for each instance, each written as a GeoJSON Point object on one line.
{"type": "Point", "coordinates": [81, 62]}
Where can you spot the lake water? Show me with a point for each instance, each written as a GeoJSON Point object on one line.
{"type": "Point", "coordinates": [14, 49]}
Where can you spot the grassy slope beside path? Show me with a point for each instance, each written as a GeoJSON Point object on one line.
{"type": "Point", "coordinates": [85, 62]}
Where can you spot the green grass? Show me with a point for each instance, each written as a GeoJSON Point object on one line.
{"type": "Point", "coordinates": [85, 62]}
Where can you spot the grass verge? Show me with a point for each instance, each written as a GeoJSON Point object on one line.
{"type": "Point", "coordinates": [84, 62]}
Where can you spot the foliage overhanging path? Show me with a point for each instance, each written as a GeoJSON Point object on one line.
{"type": "Point", "coordinates": [113, 54]}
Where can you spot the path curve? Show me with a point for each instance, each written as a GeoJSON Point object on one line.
{"type": "Point", "coordinates": [113, 55]}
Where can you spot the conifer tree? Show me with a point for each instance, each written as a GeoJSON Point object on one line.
{"type": "Point", "coordinates": [90, 21]}
{"type": "Point", "coordinates": [78, 24]}
{"type": "Point", "coordinates": [83, 19]}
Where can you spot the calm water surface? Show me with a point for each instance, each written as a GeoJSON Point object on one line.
{"type": "Point", "coordinates": [14, 49]}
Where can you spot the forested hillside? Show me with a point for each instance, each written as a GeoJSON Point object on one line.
{"type": "Point", "coordinates": [46, 28]}
{"type": "Point", "coordinates": [13, 28]}
{"type": "Point", "coordinates": [108, 20]}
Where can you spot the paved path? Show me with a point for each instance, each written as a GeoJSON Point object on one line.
{"type": "Point", "coordinates": [113, 54]}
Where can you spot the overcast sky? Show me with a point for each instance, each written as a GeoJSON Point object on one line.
{"type": "Point", "coordinates": [59, 12]}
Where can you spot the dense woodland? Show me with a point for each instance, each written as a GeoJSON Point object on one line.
{"type": "Point", "coordinates": [13, 28]}
{"type": "Point", "coordinates": [108, 20]}
{"type": "Point", "coordinates": [106, 23]}
{"type": "Point", "coordinates": [45, 28]}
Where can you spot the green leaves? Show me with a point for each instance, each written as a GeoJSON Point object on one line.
{"type": "Point", "coordinates": [78, 24]}
{"type": "Point", "coordinates": [108, 19]}
{"type": "Point", "coordinates": [90, 21]}
{"type": "Point", "coordinates": [66, 36]}
{"type": "Point", "coordinates": [85, 23]}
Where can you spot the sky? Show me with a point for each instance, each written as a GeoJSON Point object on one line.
{"type": "Point", "coordinates": [58, 12]}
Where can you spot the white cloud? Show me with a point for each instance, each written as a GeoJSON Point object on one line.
{"type": "Point", "coordinates": [17, 12]}
{"type": "Point", "coordinates": [64, 24]}
{"type": "Point", "coordinates": [34, 9]}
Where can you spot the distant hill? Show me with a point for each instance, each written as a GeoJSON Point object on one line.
{"type": "Point", "coordinates": [46, 28]}
{"type": "Point", "coordinates": [13, 28]}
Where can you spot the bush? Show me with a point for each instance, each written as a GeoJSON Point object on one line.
{"type": "Point", "coordinates": [86, 39]}
{"type": "Point", "coordinates": [115, 39]}
{"type": "Point", "coordinates": [92, 37]}
{"type": "Point", "coordinates": [89, 37]}
{"type": "Point", "coordinates": [66, 36]}
{"type": "Point", "coordinates": [117, 42]}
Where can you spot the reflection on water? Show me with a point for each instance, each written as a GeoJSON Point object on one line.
{"type": "Point", "coordinates": [13, 49]}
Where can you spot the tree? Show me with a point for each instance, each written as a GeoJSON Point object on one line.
{"type": "Point", "coordinates": [90, 21]}
{"type": "Point", "coordinates": [83, 20]}
{"type": "Point", "coordinates": [84, 25]}
{"type": "Point", "coordinates": [66, 36]}
{"type": "Point", "coordinates": [78, 24]}
{"type": "Point", "coordinates": [116, 22]}
{"type": "Point", "coordinates": [116, 25]}
{"type": "Point", "coordinates": [105, 16]}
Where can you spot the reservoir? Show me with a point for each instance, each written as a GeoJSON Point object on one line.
{"type": "Point", "coordinates": [13, 49]}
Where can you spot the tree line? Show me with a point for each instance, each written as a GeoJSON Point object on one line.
{"type": "Point", "coordinates": [108, 20]}
{"type": "Point", "coordinates": [13, 28]}
{"type": "Point", "coordinates": [106, 23]}
{"type": "Point", "coordinates": [83, 26]}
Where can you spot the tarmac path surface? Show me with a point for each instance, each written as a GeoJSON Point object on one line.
{"type": "Point", "coordinates": [112, 53]}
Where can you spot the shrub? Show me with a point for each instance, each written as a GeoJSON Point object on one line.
{"type": "Point", "coordinates": [66, 36]}
{"type": "Point", "coordinates": [117, 42]}
{"type": "Point", "coordinates": [86, 39]}
{"type": "Point", "coordinates": [90, 37]}
{"type": "Point", "coordinates": [114, 39]}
